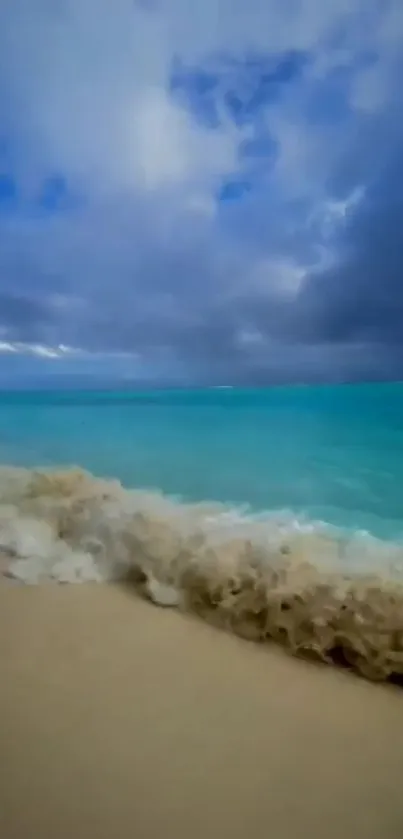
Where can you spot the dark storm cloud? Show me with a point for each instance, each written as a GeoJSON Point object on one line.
{"type": "Point", "coordinates": [24, 318]}
{"type": "Point", "coordinates": [178, 303]}
{"type": "Point", "coordinates": [362, 298]}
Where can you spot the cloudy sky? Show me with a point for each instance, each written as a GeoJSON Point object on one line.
{"type": "Point", "coordinates": [205, 191]}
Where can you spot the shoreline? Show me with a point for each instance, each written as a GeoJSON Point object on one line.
{"type": "Point", "coordinates": [119, 718]}
{"type": "Point", "coordinates": [318, 593]}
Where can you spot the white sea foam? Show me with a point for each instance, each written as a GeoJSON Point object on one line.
{"type": "Point", "coordinates": [311, 587]}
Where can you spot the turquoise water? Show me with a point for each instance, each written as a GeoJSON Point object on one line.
{"type": "Point", "coordinates": [329, 453]}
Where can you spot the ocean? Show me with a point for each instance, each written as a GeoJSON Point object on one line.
{"type": "Point", "coordinates": [276, 511]}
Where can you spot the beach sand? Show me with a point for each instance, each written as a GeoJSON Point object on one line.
{"type": "Point", "coordinates": [119, 719]}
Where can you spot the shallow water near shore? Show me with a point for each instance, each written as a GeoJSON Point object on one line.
{"type": "Point", "coordinates": [277, 514]}
{"type": "Point", "coordinates": [331, 453]}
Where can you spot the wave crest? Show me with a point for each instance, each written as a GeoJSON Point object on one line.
{"type": "Point", "coordinates": [314, 589]}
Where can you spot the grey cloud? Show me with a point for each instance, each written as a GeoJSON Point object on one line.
{"type": "Point", "coordinates": [362, 299]}
{"type": "Point", "coordinates": [24, 318]}
{"type": "Point", "coordinates": [175, 302]}
{"type": "Point", "coordinates": [161, 270]}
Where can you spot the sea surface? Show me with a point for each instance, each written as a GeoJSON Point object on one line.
{"type": "Point", "coordinates": [330, 453]}
{"type": "Point", "coordinates": [277, 513]}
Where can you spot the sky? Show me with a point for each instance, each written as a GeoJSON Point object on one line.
{"type": "Point", "coordinates": [201, 192]}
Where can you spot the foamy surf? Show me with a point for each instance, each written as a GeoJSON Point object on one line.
{"type": "Point", "coordinates": [316, 590]}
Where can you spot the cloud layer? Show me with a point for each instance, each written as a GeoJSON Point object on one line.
{"type": "Point", "coordinates": [203, 192]}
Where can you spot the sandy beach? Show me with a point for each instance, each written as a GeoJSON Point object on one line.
{"type": "Point", "coordinates": [121, 719]}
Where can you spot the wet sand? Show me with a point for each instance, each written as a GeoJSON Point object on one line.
{"type": "Point", "coordinates": [118, 719]}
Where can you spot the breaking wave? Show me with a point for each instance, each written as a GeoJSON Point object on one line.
{"type": "Point", "coordinates": [317, 590]}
